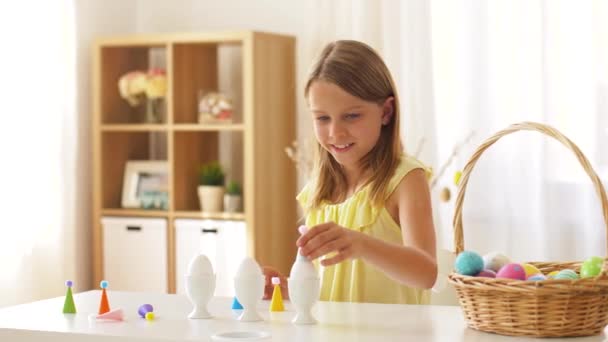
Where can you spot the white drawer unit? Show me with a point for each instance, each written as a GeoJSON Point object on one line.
{"type": "Point", "coordinates": [222, 241]}
{"type": "Point", "coordinates": [135, 254]}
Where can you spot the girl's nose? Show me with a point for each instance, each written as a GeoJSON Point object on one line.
{"type": "Point", "coordinates": [336, 130]}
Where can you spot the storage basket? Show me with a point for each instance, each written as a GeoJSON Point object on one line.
{"type": "Point", "coordinates": [548, 308]}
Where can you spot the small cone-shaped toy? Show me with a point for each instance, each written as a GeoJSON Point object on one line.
{"type": "Point", "coordinates": [236, 305]}
{"type": "Point", "coordinates": [68, 304]}
{"type": "Point", "coordinates": [276, 304]}
{"type": "Point", "coordinates": [104, 306]}
{"type": "Point", "coordinates": [114, 315]}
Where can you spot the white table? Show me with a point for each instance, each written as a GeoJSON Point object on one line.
{"type": "Point", "coordinates": [44, 321]}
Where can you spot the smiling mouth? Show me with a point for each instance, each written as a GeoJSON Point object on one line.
{"type": "Point", "coordinates": [342, 148]}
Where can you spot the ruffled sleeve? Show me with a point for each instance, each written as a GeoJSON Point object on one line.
{"type": "Point", "coordinates": [356, 212]}
{"type": "Point", "coordinates": [304, 196]}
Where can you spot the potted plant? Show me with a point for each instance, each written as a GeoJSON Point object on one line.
{"type": "Point", "coordinates": [233, 199]}
{"type": "Point", "coordinates": [211, 187]}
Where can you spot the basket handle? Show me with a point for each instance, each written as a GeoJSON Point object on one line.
{"type": "Point", "coordinates": [522, 126]}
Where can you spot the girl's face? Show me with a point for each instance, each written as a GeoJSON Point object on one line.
{"type": "Point", "coordinates": [345, 125]}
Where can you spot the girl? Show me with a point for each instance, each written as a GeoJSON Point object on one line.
{"type": "Point", "coordinates": [368, 205]}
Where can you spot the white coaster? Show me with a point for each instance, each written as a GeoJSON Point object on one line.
{"type": "Point", "coordinates": [241, 336]}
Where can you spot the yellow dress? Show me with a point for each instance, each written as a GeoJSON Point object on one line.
{"type": "Point", "coordinates": [355, 280]}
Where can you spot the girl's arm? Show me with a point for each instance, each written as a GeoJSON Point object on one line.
{"type": "Point", "coordinates": [412, 264]}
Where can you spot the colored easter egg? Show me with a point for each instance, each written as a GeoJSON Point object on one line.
{"type": "Point", "coordinates": [495, 261]}
{"type": "Point", "coordinates": [566, 274]}
{"type": "Point", "coordinates": [590, 269]}
{"type": "Point", "coordinates": [145, 308]}
{"type": "Point", "coordinates": [486, 273]}
{"type": "Point", "coordinates": [468, 263]}
{"type": "Point", "coordinates": [552, 274]}
{"type": "Point", "coordinates": [536, 277]}
{"type": "Point", "coordinates": [512, 271]}
{"type": "Point", "coordinates": [596, 260]}
{"type": "Point", "coordinates": [530, 270]}
{"type": "Point", "coordinates": [149, 316]}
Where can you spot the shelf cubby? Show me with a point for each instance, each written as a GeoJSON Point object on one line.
{"type": "Point", "coordinates": [118, 148]}
{"type": "Point", "coordinates": [206, 67]}
{"type": "Point", "coordinates": [116, 61]}
{"type": "Point", "coordinates": [195, 148]}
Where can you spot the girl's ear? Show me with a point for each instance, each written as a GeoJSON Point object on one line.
{"type": "Point", "coordinates": [388, 110]}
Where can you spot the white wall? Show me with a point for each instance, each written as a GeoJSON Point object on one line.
{"type": "Point", "coordinates": [288, 17]}
{"type": "Point", "coordinates": [93, 18]}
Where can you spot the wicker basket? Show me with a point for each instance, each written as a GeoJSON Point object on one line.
{"type": "Point", "coordinates": [549, 308]}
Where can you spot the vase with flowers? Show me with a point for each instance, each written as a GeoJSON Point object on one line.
{"type": "Point", "coordinates": [146, 88]}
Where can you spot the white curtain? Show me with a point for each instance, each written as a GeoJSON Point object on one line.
{"type": "Point", "coordinates": [500, 62]}
{"type": "Point", "coordinates": [401, 32]}
{"type": "Point", "coordinates": [478, 66]}
{"type": "Point", "coordinates": [38, 149]}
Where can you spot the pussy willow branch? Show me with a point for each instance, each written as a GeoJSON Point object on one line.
{"type": "Point", "coordinates": [445, 165]}
{"type": "Point", "coordinates": [419, 147]}
{"type": "Point", "coordinates": [301, 155]}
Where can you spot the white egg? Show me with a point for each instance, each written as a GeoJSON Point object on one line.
{"type": "Point", "coordinates": [248, 267]}
{"type": "Point", "coordinates": [200, 265]}
{"type": "Point", "coordinates": [302, 268]}
{"type": "Point", "coordinates": [495, 261]}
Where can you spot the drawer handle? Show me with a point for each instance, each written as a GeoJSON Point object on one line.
{"type": "Point", "coordinates": [133, 228]}
{"type": "Point", "coordinates": [209, 230]}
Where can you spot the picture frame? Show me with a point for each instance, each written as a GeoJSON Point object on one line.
{"type": "Point", "coordinates": [145, 185]}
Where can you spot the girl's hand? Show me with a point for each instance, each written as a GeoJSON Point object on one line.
{"type": "Point", "coordinates": [330, 237]}
{"type": "Point", "coordinates": [269, 273]}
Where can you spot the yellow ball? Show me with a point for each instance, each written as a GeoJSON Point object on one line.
{"type": "Point", "coordinates": [531, 270]}
{"type": "Point", "coordinates": [457, 176]}
{"type": "Point", "coordinates": [149, 316]}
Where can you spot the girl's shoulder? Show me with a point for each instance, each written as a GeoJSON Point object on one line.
{"type": "Point", "coordinates": [405, 166]}
{"type": "Point", "coordinates": [408, 163]}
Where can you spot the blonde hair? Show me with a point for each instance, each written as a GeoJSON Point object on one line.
{"type": "Point", "coordinates": [359, 70]}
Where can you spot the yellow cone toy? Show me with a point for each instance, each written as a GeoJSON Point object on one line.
{"type": "Point", "coordinates": [276, 304]}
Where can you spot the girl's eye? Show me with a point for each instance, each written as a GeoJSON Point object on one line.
{"type": "Point", "coordinates": [322, 118]}
{"type": "Point", "coordinates": [352, 116]}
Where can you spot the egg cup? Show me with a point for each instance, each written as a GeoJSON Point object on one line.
{"type": "Point", "coordinates": [304, 293]}
{"type": "Point", "coordinates": [249, 289]}
{"type": "Point", "coordinates": [200, 289]}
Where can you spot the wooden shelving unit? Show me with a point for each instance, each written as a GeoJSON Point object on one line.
{"type": "Point", "coordinates": [261, 73]}
{"type": "Point", "coordinates": [134, 128]}
{"type": "Point", "coordinates": [134, 212]}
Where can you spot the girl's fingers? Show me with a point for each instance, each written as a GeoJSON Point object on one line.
{"type": "Point", "coordinates": [312, 232]}
{"type": "Point", "coordinates": [320, 240]}
{"type": "Point", "coordinates": [268, 292]}
{"type": "Point", "coordinates": [328, 247]}
{"type": "Point", "coordinates": [342, 255]}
